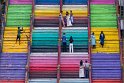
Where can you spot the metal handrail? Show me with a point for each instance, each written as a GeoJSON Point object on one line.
{"type": "Point", "coordinates": [29, 39]}
{"type": "Point", "coordinates": [59, 52]}
{"type": "Point", "coordinates": [59, 45]}
{"type": "Point", "coordinates": [4, 19]}
{"type": "Point", "coordinates": [119, 34]}
{"type": "Point", "coordinates": [89, 45]}
{"type": "Point", "coordinates": [29, 52]}
{"type": "Point", "coordinates": [6, 9]}
{"type": "Point", "coordinates": [122, 43]}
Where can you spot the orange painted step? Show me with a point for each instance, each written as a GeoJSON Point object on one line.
{"type": "Point", "coordinates": [107, 81]}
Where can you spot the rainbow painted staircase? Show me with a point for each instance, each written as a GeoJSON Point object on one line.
{"type": "Point", "coordinates": [106, 65]}
{"type": "Point", "coordinates": [43, 59]}
{"type": "Point", "coordinates": [13, 60]}
{"type": "Point", "coordinates": [69, 62]}
{"type": "Point", "coordinates": [44, 56]}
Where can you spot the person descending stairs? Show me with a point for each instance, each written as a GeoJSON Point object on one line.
{"type": "Point", "coordinates": [106, 64]}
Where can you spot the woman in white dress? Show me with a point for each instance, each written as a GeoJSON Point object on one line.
{"type": "Point", "coordinates": [81, 70]}
{"type": "Point", "coordinates": [69, 23]}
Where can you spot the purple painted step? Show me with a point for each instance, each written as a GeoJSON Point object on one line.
{"type": "Point", "coordinates": [103, 56]}
{"type": "Point", "coordinates": [106, 70]}
{"type": "Point", "coordinates": [20, 1]}
{"type": "Point", "coordinates": [12, 66]}
{"type": "Point", "coordinates": [106, 66]}
{"type": "Point", "coordinates": [13, 62]}
{"type": "Point", "coordinates": [15, 71]}
{"type": "Point", "coordinates": [102, 1]}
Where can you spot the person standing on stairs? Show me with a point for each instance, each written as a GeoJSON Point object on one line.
{"type": "Point", "coordinates": [68, 20]}
{"type": "Point", "coordinates": [71, 17]}
{"type": "Point", "coordinates": [19, 34]}
{"type": "Point", "coordinates": [93, 40]}
{"type": "Point", "coordinates": [102, 38]}
{"type": "Point", "coordinates": [71, 49]}
{"type": "Point", "coordinates": [64, 43]}
{"type": "Point", "coordinates": [61, 18]}
{"type": "Point", "coordinates": [81, 70]}
{"type": "Point", "coordinates": [87, 66]}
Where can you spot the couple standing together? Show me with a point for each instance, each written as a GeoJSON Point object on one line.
{"type": "Point", "coordinates": [68, 19]}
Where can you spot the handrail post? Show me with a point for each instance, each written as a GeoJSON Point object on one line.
{"type": "Point", "coordinates": [61, 3]}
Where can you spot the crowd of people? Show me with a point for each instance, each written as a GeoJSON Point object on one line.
{"type": "Point", "coordinates": [68, 20]}
{"type": "Point", "coordinates": [93, 41]}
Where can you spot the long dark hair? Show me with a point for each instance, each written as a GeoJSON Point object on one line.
{"type": "Point", "coordinates": [81, 62]}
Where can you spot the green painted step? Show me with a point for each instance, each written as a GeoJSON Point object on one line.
{"type": "Point", "coordinates": [19, 15]}
{"type": "Point", "coordinates": [108, 18]}
{"type": "Point", "coordinates": [102, 6]}
{"type": "Point", "coordinates": [80, 37]}
{"type": "Point", "coordinates": [103, 16]}
{"type": "Point", "coordinates": [44, 38]}
{"type": "Point", "coordinates": [101, 11]}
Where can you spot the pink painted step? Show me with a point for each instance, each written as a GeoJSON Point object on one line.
{"type": "Point", "coordinates": [20, 1]}
{"type": "Point", "coordinates": [102, 1]}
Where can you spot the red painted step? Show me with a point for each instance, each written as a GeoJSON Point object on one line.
{"type": "Point", "coordinates": [12, 81]}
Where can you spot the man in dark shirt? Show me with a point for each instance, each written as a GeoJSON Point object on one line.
{"type": "Point", "coordinates": [64, 43]}
{"type": "Point", "coordinates": [19, 34]}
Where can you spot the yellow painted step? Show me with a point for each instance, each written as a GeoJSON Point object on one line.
{"type": "Point", "coordinates": [109, 37]}
{"type": "Point", "coordinates": [103, 29]}
{"type": "Point", "coordinates": [9, 34]}
{"type": "Point", "coordinates": [13, 42]}
{"type": "Point", "coordinates": [112, 42]}
{"type": "Point", "coordinates": [76, 12]}
{"type": "Point", "coordinates": [46, 11]}
{"type": "Point", "coordinates": [14, 50]}
{"type": "Point", "coordinates": [110, 45]}
{"type": "Point", "coordinates": [15, 45]}
{"type": "Point", "coordinates": [16, 28]}
{"type": "Point", "coordinates": [14, 38]}
{"type": "Point", "coordinates": [9, 43]}
{"type": "Point", "coordinates": [107, 32]}
{"type": "Point", "coordinates": [48, 14]}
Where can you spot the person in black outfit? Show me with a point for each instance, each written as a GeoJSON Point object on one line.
{"type": "Point", "coordinates": [102, 38]}
{"type": "Point", "coordinates": [71, 45]}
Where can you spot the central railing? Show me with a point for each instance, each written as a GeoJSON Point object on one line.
{"type": "Point", "coordinates": [29, 40]}
{"type": "Point", "coordinates": [59, 45]}
{"type": "Point", "coordinates": [89, 45]}
{"type": "Point", "coordinates": [123, 59]}
{"type": "Point", "coordinates": [4, 20]}
{"type": "Point", "coordinates": [119, 35]}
